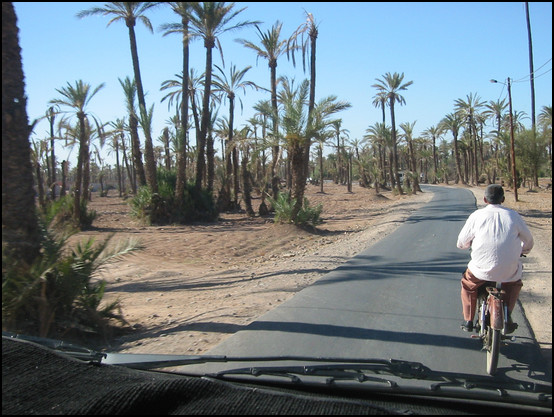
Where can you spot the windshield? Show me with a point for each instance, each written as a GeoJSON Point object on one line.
{"type": "Point", "coordinates": [285, 187]}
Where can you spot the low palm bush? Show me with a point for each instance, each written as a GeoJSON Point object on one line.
{"type": "Point", "coordinates": [307, 216]}
{"type": "Point", "coordinates": [60, 291]}
{"type": "Point", "coordinates": [59, 214]}
{"type": "Point", "coordinates": [163, 208]}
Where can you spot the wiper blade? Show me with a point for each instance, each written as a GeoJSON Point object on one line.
{"type": "Point", "coordinates": [334, 369]}
{"type": "Point", "coordinates": [345, 370]}
{"type": "Point", "coordinates": [73, 350]}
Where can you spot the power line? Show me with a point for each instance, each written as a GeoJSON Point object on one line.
{"type": "Point", "coordinates": [528, 77]}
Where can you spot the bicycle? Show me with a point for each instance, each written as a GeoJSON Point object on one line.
{"type": "Point", "coordinates": [492, 321]}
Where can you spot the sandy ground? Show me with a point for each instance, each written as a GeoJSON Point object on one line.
{"type": "Point", "coordinates": [193, 286]}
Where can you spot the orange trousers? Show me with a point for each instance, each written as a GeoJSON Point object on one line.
{"type": "Point", "coordinates": [470, 285]}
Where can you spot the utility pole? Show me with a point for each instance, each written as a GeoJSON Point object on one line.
{"type": "Point", "coordinates": [513, 151]}
{"type": "Point", "coordinates": [512, 140]}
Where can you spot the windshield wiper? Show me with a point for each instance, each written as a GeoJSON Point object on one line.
{"type": "Point", "coordinates": [345, 370]}
{"type": "Point", "coordinates": [73, 350]}
{"type": "Point", "coordinates": [332, 369]}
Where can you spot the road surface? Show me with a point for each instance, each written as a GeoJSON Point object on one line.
{"type": "Point", "coordinates": [399, 298]}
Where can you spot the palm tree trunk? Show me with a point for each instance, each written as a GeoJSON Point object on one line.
{"type": "Point", "coordinates": [182, 153]}
{"type": "Point", "coordinates": [531, 69]}
{"type": "Point", "coordinates": [275, 149]}
{"type": "Point", "coordinates": [64, 179]}
{"type": "Point", "coordinates": [210, 155]}
{"type": "Point", "coordinates": [52, 181]}
{"type": "Point", "coordinates": [137, 156]}
{"type": "Point", "coordinates": [148, 147]}
{"type": "Point", "coordinates": [321, 167]}
{"type": "Point", "coordinates": [459, 176]}
{"type": "Point", "coordinates": [303, 153]}
{"type": "Point", "coordinates": [77, 187]}
{"type": "Point", "coordinates": [85, 193]}
{"type": "Point", "coordinates": [165, 136]}
{"type": "Point", "coordinates": [395, 149]}
{"type": "Point", "coordinates": [201, 160]}
{"type": "Point", "coordinates": [20, 231]}
{"type": "Point", "coordinates": [118, 168]}
{"type": "Point", "coordinates": [232, 162]}
{"type": "Point", "coordinates": [247, 187]}
{"type": "Point", "coordinates": [434, 160]}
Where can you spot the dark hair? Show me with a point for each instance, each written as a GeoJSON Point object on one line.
{"type": "Point", "coordinates": [494, 194]}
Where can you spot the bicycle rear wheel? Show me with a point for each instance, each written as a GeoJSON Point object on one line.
{"type": "Point", "coordinates": [493, 350]}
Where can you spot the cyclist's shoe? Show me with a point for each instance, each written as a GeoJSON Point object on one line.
{"type": "Point", "coordinates": [510, 326]}
{"type": "Point", "coordinates": [467, 326]}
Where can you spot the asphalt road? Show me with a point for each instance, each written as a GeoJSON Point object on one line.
{"type": "Point", "coordinates": [399, 298]}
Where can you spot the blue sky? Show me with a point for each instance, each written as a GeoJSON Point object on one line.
{"type": "Point", "coordinates": [449, 50]}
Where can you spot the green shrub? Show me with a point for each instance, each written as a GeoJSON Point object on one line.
{"type": "Point", "coordinates": [307, 216]}
{"type": "Point", "coordinates": [60, 291]}
{"type": "Point", "coordinates": [59, 214]}
{"type": "Point", "coordinates": [162, 207]}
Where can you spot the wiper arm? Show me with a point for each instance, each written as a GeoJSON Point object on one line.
{"type": "Point", "coordinates": [73, 350]}
{"type": "Point", "coordinates": [338, 371]}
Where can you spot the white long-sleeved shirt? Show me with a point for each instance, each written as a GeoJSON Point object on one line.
{"type": "Point", "coordinates": [497, 237]}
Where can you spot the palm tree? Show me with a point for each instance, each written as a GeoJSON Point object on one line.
{"type": "Point", "coordinates": [228, 87]}
{"type": "Point", "coordinates": [495, 110]}
{"type": "Point", "coordinates": [77, 98]}
{"type": "Point", "coordinates": [20, 230]}
{"type": "Point", "coordinates": [309, 44]}
{"type": "Point", "coordinates": [117, 134]}
{"type": "Point", "coordinates": [433, 133]}
{"type": "Point", "coordinates": [182, 9]}
{"type": "Point", "coordinates": [390, 85]}
{"type": "Point", "coordinates": [380, 100]}
{"type": "Point", "coordinates": [336, 125]}
{"type": "Point", "coordinates": [408, 129]}
{"type": "Point", "coordinates": [531, 69]}
{"type": "Point", "coordinates": [545, 121]}
{"type": "Point", "coordinates": [453, 122]}
{"type": "Point", "coordinates": [468, 110]}
{"type": "Point", "coordinates": [51, 116]}
{"type": "Point", "coordinates": [130, 12]}
{"type": "Point", "coordinates": [271, 48]}
{"type": "Point", "coordinates": [300, 128]}
{"type": "Point", "coordinates": [380, 136]}
{"type": "Point", "coordinates": [210, 20]}
{"type": "Point", "coordinates": [129, 89]}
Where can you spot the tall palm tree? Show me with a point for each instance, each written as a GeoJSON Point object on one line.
{"type": "Point", "coordinates": [117, 135]}
{"type": "Point", "coordinates": [338, 130]}
{"type": "Point", "coordinates": [408, 129]}
{"type": "Point", "coordinates": [20, 230]}
{"type": "Point", "coordinates": [531, 69]}
{"type": "Point", "coordinates": [130, 89]}
{"type": "Point", "coordinates": [130, 12]}
{"type": "Point", "coordinates": [380, 100]}
{"type": "Point", "coordinates": [545, 121]}
{"type": "Point", "coordinates": [228, 87]}
{"type": "Point", "coordinates": [391, 85]}
{"type": "Point", "coordinates": [380, 136]}
{"type": "Point", "coordinates": [468, 110]}
{"type": "Point", "coordinates": [183, 9]}
{"type": "Point", "coordinates": [433, 133]}
{"type": "Point", "coordinates": [309, 44]}
{"type": "Point", "coordinates": [210, 20]}
{"type": "Point", "coordinates": [271, 48]}
{"type": "Point", "coordinates": [300, 128]}
{"type": "Point", "coordinates": [77, 98]}
{"type": "Point", "coordinates": [51, 116]}
{"type": "Point", "coordinates": [453, 122]}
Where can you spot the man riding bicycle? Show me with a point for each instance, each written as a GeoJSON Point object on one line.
{"type": "Point", "coordinates": [497, 237]}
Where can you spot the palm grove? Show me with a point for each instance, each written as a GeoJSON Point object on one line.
{"type": "Point", "coordinates": [183, 180]}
